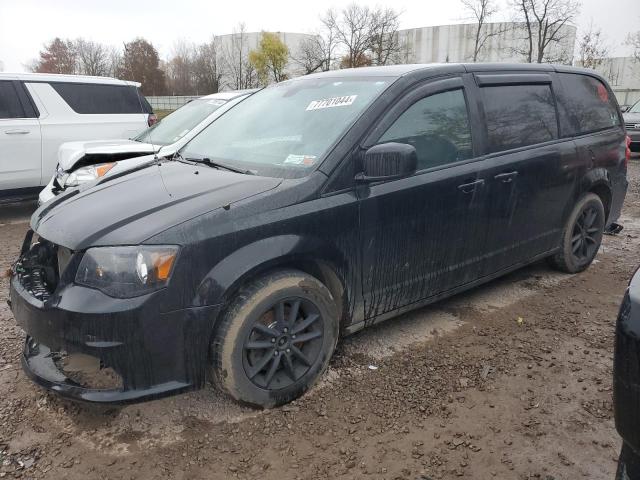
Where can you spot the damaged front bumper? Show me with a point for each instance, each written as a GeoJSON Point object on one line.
{"type": "Point", "coordinates": [147, 354]}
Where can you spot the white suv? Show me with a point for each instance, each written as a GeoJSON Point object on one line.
{"type": "Point", "coordinates": [39, 112]}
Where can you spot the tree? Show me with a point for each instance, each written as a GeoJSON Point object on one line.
{"type": "Point", "coordinates": [141, 63]}
{"type": "Point", "coordinates": [384, 43]}
{"type": "Point", "coordinates": [93, 58]}
{"type": "Point", "coordinates": [365, 36]}
{"type": "Point", "coordinates": [353, 27]}
{"type": "Point", "coordinates": [318, 52]}
{"type": "Point", "coordinates": [241, 73]}
{"type": "Point", "coordinates": [115, 62]}
{"type": "Point", "coordinates": [544, 25]}
{"type": "Point", "coordinates": [270, 58]}
{"type": "Point", "coordinates": [207, 68]}
{"type": "Point", "coordinates": [59, 56]}
{"type": "Point", "coordinates": [311, 55]}
{"type": "Point", "coordinates": [481, 11]}
{"type": "Point", "coordinates": [180, 71]}
{"type": "Point", "coordinates": [633, 40]}
{"type": "Point", "coordinates": [363, 60]}
{"type": "Point", "coordinates": [592, 50]}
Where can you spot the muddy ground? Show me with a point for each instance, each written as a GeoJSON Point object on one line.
{"type": "Point", "coordinates": [511, 381]}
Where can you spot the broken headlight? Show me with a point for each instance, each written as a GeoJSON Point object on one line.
{"type": "Point", "coordinates": [126, 272]}
{"type": "Point", "coordinates": [84, 174]}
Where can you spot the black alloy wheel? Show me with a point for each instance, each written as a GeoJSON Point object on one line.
{"type": "Point", "coordinates": [581, 235]}
{"type": "Point", "coordinates": [587, 234]}
{"type": "Point", "coordinates": [284, 342]}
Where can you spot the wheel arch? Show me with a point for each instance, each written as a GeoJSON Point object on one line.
{"type": "Point", "coordinates": [594, 181]}
{"type": "Point", "coordinates": [306, 254]}
{"type": "Point", "coordinates": [603, 190]}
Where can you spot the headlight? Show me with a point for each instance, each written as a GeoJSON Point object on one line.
{"type": "Point", "coordinates": [84, 174]}
{"type": "Point", "coordinates": [126, 272]}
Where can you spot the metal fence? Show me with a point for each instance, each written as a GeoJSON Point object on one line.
{"type": "Point", "coordinates": [170, 102]}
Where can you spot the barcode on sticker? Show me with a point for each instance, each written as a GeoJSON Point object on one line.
{"type": "Point", "coordinates": [332, 102]}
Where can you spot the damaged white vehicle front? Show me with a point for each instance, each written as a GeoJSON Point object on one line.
{"type": "Point", "coordinates": [82, 162]}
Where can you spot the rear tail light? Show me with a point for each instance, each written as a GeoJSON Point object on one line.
{"type": "Point", "coordinates": [627, 151]}
{"type": "Point", "coordinates": [152, 120]}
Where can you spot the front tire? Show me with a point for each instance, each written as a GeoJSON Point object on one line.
{"type": "Point", "coordinates": [581, 236]}
{"type": "Point", "coordinates": [276, 339]}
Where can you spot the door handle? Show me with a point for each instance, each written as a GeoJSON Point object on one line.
{"type": "Point", "coordinates": [470, 187]}
{"type": "Point", "coordinates": [506, 177]}
{"type": "Point", "coordinates": [16, 132]}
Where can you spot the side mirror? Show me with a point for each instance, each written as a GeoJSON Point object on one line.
{"type": "Point", "coordinates": [388, 161]}
{"type": "Point", "coordinates": [624, 108]}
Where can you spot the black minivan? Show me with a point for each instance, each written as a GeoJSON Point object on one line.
{"type": "Point", "coordinates": [314, 208]}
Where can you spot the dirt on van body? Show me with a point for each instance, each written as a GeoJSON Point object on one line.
{"type": "Point", "coordinates": [510, 380]}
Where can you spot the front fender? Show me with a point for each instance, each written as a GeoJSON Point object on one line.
{"type": "Point", "coordinates": [259, 256]}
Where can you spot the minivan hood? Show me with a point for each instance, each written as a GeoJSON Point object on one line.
{"type": "Point", "coordinates": [128, 209]}
{"type": "Point", "coordinates": [70, 153]}
{"type": "Point", "coordinates": [631, 117]}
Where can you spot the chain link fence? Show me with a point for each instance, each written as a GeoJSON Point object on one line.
{"type": "Point", "coordinates": [170, 102]}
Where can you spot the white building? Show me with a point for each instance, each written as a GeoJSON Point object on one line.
{"type": "Point", "coordinates": [455, 43]}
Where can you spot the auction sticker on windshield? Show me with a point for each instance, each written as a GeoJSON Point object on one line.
{"type": "Point", "coordinates": [343, 101]}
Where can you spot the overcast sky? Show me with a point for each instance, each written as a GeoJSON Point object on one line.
{"type": "Point", "coordinates": [26, 24]}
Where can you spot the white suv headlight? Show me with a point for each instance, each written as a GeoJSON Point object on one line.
{"type": "Point", "coordinates": [83, 174]}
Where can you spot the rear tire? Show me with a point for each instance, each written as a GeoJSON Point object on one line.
{"type": "Point", "coordinates": [276, 339]}
{"type": "Point", "coordinates": [581, 236]}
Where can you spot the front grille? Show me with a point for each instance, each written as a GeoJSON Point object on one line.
{"type": "Point", "coordinates": [632, 126]}
{"type": "Point", "coordinates": [37, 269]}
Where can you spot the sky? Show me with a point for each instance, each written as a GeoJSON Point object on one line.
{"type": "Point", "coordinates": [25, 25]}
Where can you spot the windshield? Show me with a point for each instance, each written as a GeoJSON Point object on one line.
{"type": "Point", "coordinates": [177, 124]}
{"type": "Point", "coordinates": [287, 128]}
{"type": "Point", "coordinates": [635, 108]}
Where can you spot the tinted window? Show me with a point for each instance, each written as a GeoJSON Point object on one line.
{"type": "Point", "coordinates": [589, 103]}
{"type": "Point", "coordinates": [97, 98]}
{"type": "Point", "coordinates": [519, 115]}
{"type": "Point", "coordinates": [438, 128]}
{"type": "Point", "coordinates": [10, 106]}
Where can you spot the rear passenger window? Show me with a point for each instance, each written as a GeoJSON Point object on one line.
{"type": "Point", "coordinates": [10, 106]}
{"type": "Point", "coordinates": [438, 128]}
{"type": "Point", "coordinates": [519, 115]}
{"type": "Point", "coordinates": [589, 103]}
{"type": "Point", "coordinates": [96, 98]}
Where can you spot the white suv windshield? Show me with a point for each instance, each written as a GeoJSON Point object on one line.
{"type": "Point", "coordinates": [177, 124]}
{"type": "Point", "coordinates": [287, 128]}
{"type": "Point", "coordinates": [635, 108]}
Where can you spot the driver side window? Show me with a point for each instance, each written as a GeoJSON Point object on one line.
{"type": "Point", "coordinates": [437, 126]}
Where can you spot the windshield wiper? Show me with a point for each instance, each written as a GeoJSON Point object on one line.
{"type": "Point", "coordinates": [210, 163]}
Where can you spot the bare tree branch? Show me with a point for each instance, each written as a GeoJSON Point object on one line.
{"type": "Point", "coordinates": [481, 12]}
{"type": "Point", "coordinates": [592, 49]}
{"type": "Point", "coordinates": [93, 58]}
{"type": "Point", "coordinates": [544, 24]}
{"type": "Point", "coordinates": [633, 40]}
{"type": "Point", "coordinates": [384, 43]}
